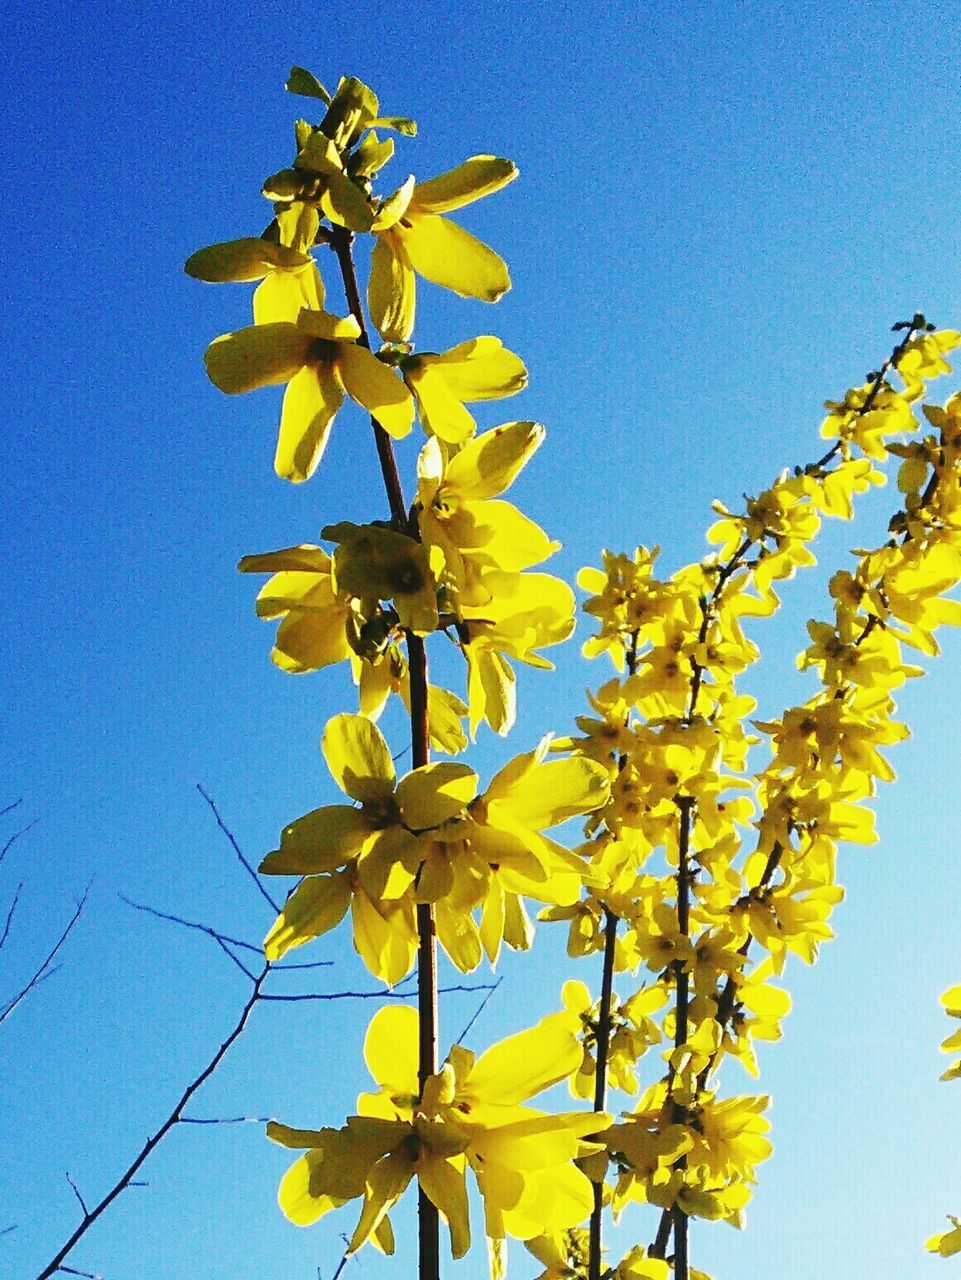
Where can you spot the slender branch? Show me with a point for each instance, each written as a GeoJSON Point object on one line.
{"type": "Point", "coordinates": [44, 970]}
{"type": "Point", "coordinates": [603, 1039]}
{"type": "Point", "coordinates": [9, 808]}
{"type": "Point", "coordinates": [611, 922]}
{"type": "Point", "coordinates": [261, 887]}
{"type": "Point", "coordinates": [12, 840]}
{"type": "Point", "coordinates": [10, 914]}
{"type": "Point", "coordinates": [76, 1192]}
{"type": "Point", "coordinates": [126, 1179]}
{"type": "Point", "coordinates": [428, 1217]}
{"type": "Point", "coordinates": [491, 988]}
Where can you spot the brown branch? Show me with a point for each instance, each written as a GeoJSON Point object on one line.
{"type": "Point", "coordinates": [126, 1178]}
{"type": "Point", "coordinates": [44, 970]}
{"type": "Point", "coordinates": [261, 887]}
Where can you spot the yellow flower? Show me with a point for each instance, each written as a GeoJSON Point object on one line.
{"type": "Point", "coordinates": [459, 513]}
{"type": "Point", "coordinates": [355, 857]}
{"type": "Point", "coordinates": [319, 359]}
{"type": "Point", "coordinates": [413, 236]}
{"type": "Point", "coordinates": [314, 616]}
{"type": "Point", "coordinates": [289, 279]}
{"type": "Point", "coordinates": [481, 369]}
{"type": "Point", "coordinates": [470, 1114]}
{"type": "Point", "coordinates": [526, 611]}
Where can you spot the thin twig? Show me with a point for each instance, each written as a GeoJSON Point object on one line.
{"type": "Point", "coordinates": [76, 1192]}
{"type": "Point", "coordinates": [11, 840]}
{"type": "Point", "coordinates": [9, 920]}
{"type": "Point", "coordinates": [237, 850]}
{"type": "Point", "coordinates": [480, 1008]}
{"type": "Point", "coordinates": [126, 1179]}
{"type": "Point", "coordinates": [9, 808]}
{"type": "Point", "coordinates": [225, 1119]}
{"type": "Point", "coordinates": [45, 970]}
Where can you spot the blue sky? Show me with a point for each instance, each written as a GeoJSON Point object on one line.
{"type": "Point", "coordinates": [721, 212]}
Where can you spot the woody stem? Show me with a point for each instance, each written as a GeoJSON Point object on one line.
{"type": "Point", "coordinates": [428, 1219]}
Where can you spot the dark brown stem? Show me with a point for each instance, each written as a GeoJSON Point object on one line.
{"type": "Point", "coordinates": [600, 1081]}
{"type": "Point", "coordinates": [427, 1002]}
{"type": "Point", "coordinates": [175, 1117]}
{"type": "Point", "coordinates": [340, 241]}
{"type": "Point", "coordinates": [611, 922]}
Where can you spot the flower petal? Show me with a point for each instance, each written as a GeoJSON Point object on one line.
{"type": "Point", "coordinates": [242, 260]}
{"type": "Point", "coordinates": [391, 292]}
{"type": "Point", "coordinates": [491, 463]}
{"type": "Point", "coordinates": [310, 404]}
{"type": "Point", "coordinates": [258, 356]}
{"type": "Point", "coordinates": [319, 841]}
{"type": "Point", "coordinates": [444, 1186]}
{"type": "Point", "coordinates": [369, 381]}
{"type": "Point", "coordinates": [284, 294]}
{"type": "Point", "coordinates": [435, 793]}
{"type": "Point", "coordinates": [527, 1063]}
{"type": "Point", "coordinates": [316, 906]}
{"type": "Point", "coordinates": [446, 254]}
{"type": "Point", "coordinates": [477, 177]}
{"type": "Point", "coordinates": [390, 1049]}
{"type": "Point", "coordinates": [358, 757]}
{"type": "Point", "coordinates": [483, 369]}
{"type": "Point", "coordinates": [441, 412]}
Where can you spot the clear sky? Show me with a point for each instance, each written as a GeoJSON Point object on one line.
{"type": "Point", "coordinates": [721, 211]}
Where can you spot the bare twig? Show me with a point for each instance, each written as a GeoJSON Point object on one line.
{"type": "Point", "coordinates": [9, 808]}
{"type": "Point", "coordinates": [224, 1119]}
{"type": "Point", "coordinates": [9, 920]}
{"type": "Point", "coordinates": [45, 970]}
{"type": "Point", "coordinates": [491, 988]}
{"type": "Point", "coordinates": [11, 840]}
{"type": "Point", "coordinates": [76, 1192]}
{"type": "Point", "coordinates": [175, 1117]}
{"type": "Point", "coordinates": [238, 851]}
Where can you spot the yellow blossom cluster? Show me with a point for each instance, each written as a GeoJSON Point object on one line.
{"type": "Point", "coordinates": [947, 1243]}
{"type": "Point", "coordinates": [456, 560]}
{"type": "Point", "coordinates": [682, 893]}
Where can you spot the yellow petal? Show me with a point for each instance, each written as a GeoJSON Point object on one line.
{"type": "Point", "coordinates": [319, 841]}
{"type": "Point", "coordinates": [445, 712]}
{"type": "Point", "coordinates": [489, 464]}
{"type": "Point", "coordinates": [483, 369]}
{"type": "Point", "coordinates": [297, 1199]}
{"type": "Point", "coordinates": [458, 935]}
{"type": "Point", "coordinates": [391, 292]}
{"type": "Point", "coordinates": [477, 177]}
{"type": "Point", "coordinates": [298, 224]}
{"type": "Point", "coordinates": [308, 641]}
{"type": "Point", "coordinates": [242, 260]}
{"type": "Point", "coordinates": [316, 906]}
{"type": "Point", "coordinates": [305, 557]}
{"type": "Point", "coordinates": [526, 1063]}
{"type": "Point", "coordinates": [445, 1187]}
{"type": "Point", "coordinates": [446, 254]}
{"type": "Point", "coordinates": [385, 936]}
{"type": "Point", "coordinates": [390, 1049]}
{"type": "Point", "coordinates": [358, 757]}
{"type": "Point", "coordinates": [368, 381]}
{"type": "Point", "coordinates": [310, 404]}
{"type": "Point", "coordinates": [259, 356]}
{"type": "Point", "coordinates": [439, 408]}
{"type": "Point", "coordinates": [548, 793]}
{"type": "Point", "coordinates": [330, 328]}
{"type": "Point", "coordinates": [386, 1184]}
{"type": "Point", "coordinates": [284, 294]}
{"type": "Point", "coordinates": [434, 793]}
